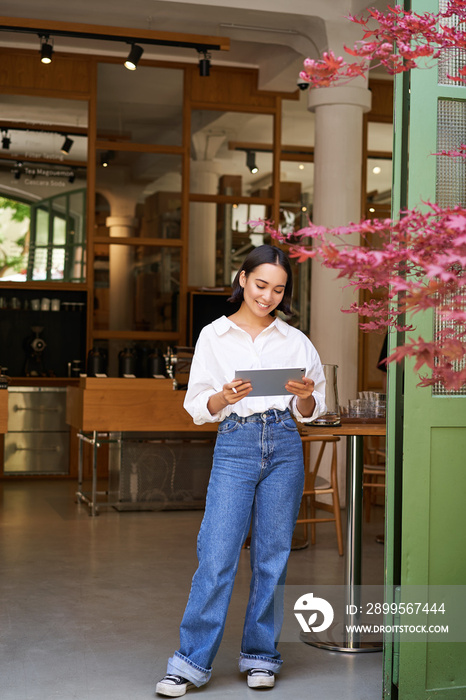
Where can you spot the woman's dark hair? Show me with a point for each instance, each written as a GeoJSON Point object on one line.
{"type": "Point", "coordinates": [259, 256]}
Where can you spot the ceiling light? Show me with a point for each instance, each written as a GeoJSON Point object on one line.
{"type": "Point", "coordinates": [5, 140]}
{"type": "Point", "coordinates": [372, 210]}
{"type": "Point", "coordinates": [251, 162]}
{"type": "Point", "coordinates": [377, 170]}
{"type": "Point", "coordinates": [46, 50]}
{"type": "Point", "coordinates": [67, 143]}
{"type": "Point", "coordinates": [301, 166]}
{"type": "Point", "coordinates": [106, 157]}
{"type": "Point", "coordinates": [134, 55]}
{"type": "Point", "coordinates": [204, 65]}
{"type": "Point", "coordinates": [72, 177]}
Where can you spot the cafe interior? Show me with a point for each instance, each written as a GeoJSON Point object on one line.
{"type": "Point", "coordinates": [138, 148]}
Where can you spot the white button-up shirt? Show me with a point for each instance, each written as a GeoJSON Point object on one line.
{"type": "Point", "coordinates": [224, 347]}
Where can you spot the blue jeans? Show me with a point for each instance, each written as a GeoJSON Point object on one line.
{"type": "Point", "coordinates": [257, 475]}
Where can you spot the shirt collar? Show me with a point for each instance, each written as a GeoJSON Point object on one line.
{"type": "Point", "coordinates": [223, 324]}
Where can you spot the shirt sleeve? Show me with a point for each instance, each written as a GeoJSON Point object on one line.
{"type": "Point", "coordinates": [202, 384]}
{"type": "Point", "coordinates": [314, 371]}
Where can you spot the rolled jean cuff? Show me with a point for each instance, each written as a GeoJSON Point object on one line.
{"type": "Point", "coordinates": [182, 666]}
{"type": "Point", "coordinates": [247, 661]}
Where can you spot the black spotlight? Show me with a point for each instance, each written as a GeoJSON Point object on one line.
{"type": "Point", "coordinates": [67, 143]}
{"type": "Point", "coordinates": [134, 55]}
{"type": "Point", "coordinates": [46, 50]}
{"type": "Point", "coordinates": [106, 157]}
{"type": "Point", "coordinates": [5, 140]}
{"type": "Point", "coordinates": [17, 174]}
{"type": "Point", "coordinates": [251, 162]}
{"type": "Point", "coordinates": [71, 177]}
{"type": "Point", "coordinates": [204, 65]}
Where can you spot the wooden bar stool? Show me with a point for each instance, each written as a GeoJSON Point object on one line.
{"type": "Point", "coordinates": [315, 485]}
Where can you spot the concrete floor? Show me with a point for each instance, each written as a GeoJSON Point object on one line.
{"type": "Point", "coordinates": [89, 607]}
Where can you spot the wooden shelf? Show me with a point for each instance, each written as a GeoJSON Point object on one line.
{"type": "Point", "coordinates": [155, 242]}
{"type": "Point", "coordinates": [55, 286]}
{"type": "Point", "coordinates": [169, 336]}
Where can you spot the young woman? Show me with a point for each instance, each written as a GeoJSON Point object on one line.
{"type": "Point", "coordinates": [257, 474]}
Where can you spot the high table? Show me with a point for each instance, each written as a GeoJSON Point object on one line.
{"type": "Point", "coordinates": [354, 431]}
{"type": "Point", "coordinates": [106, 405]}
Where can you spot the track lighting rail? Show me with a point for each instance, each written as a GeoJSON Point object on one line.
{"type": "Point", "coordinates": [52, 28]}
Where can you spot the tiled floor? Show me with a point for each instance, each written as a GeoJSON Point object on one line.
{"type": "Point", "coordinates": [90, 606]}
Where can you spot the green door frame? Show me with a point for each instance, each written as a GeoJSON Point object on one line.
{"type": "Point", "coordinates": [426, 437]}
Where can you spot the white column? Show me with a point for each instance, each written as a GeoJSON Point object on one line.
{"type": "Point", "coordinates": [337, 201]}
{"type": "Point", "coordinates": [202, 226]}
{"type": "Point", "coordinates": [121, 270]}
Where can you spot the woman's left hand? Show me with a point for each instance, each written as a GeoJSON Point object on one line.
{"type": "Point", "coordinates": [303, 390]}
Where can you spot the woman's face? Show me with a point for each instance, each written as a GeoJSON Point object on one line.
{"type": "Point", "coordinates": [263, 288]}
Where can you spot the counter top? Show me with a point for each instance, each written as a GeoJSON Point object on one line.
{"type": "Point", "coordinates": [348, 428]}
{"type": "Point", "coordinates": [127, 405]}
{"type": "Point", "coordinates": [43, 381]}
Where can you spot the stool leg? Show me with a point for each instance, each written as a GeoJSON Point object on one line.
{"type": "Point", "coordinates": [312, 514]}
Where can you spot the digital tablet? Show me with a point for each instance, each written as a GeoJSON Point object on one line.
{"type": "Point", "coordinates": [270, 382]}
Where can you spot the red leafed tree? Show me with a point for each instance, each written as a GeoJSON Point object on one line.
{"type": "Point", "coordinates": [422, 259]}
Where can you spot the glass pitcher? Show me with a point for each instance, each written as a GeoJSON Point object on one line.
{"type": "Point", "coordinates": [332, 417]}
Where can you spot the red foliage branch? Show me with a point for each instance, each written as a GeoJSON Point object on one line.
{"type": "Point", "coordinates": [421, 260]}
{"type": "Point", "coordinates": [395, 39]}
{"type": "Point", "coordinates": [460, 153]}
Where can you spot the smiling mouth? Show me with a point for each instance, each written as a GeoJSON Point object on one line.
{"type": "Point", "coordinates": [263, 306]}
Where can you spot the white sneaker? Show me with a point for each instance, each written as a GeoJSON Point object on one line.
{"type": "Point", "coordinates": [173, 686]}
{"type": "Point", "coordinates": [260, 678]}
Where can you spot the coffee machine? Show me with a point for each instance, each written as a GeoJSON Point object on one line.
{"type": "Point", "coordinates": [35, 346]}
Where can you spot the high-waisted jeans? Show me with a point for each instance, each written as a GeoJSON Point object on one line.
{"type": "Point", "coordinates": [257, 477]}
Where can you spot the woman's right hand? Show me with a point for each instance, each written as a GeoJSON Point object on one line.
{"type": "Point", "coordinates": [235, 391]}
{"type": "Point", "coordinates": [230, 394]}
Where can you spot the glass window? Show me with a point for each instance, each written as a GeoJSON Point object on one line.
{"type": "Point", "coordinates": [231, 153]}
{"type": "Point", "coordinates": [14, 239]}
{"type": "Point", "coordinates": [42, 227]}
{"type": "Point", "coordinates": [295, 195]}
{"type": "Point", "coordinates": [55, 252]}
{"type": "Point", "coordinates": [47, 138]}
{"type": "Point", "coordinates": [30, 109]}
{"type": "Point", "coordinates": [59, 231]}
{"type": "Point", "coordinates": [380, 136]}
{"type": "Point", "coordinates": [39, 270]}
{"type": "Point", "coordinates": [137, 288]}
{"type": "Point", "coordinates": [379, 175]}
{"type": "Point", "coordinates": [152, 182]}
{"type": "Point", "coordinates": [141, 106]}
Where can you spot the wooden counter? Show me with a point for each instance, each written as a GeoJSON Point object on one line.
{"type": "Point", "coordinates": [349, 427]}
{"type": "Point", "coordinates": [3, 410]}
{"type": "Point", "coordinates": [129, 405]}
